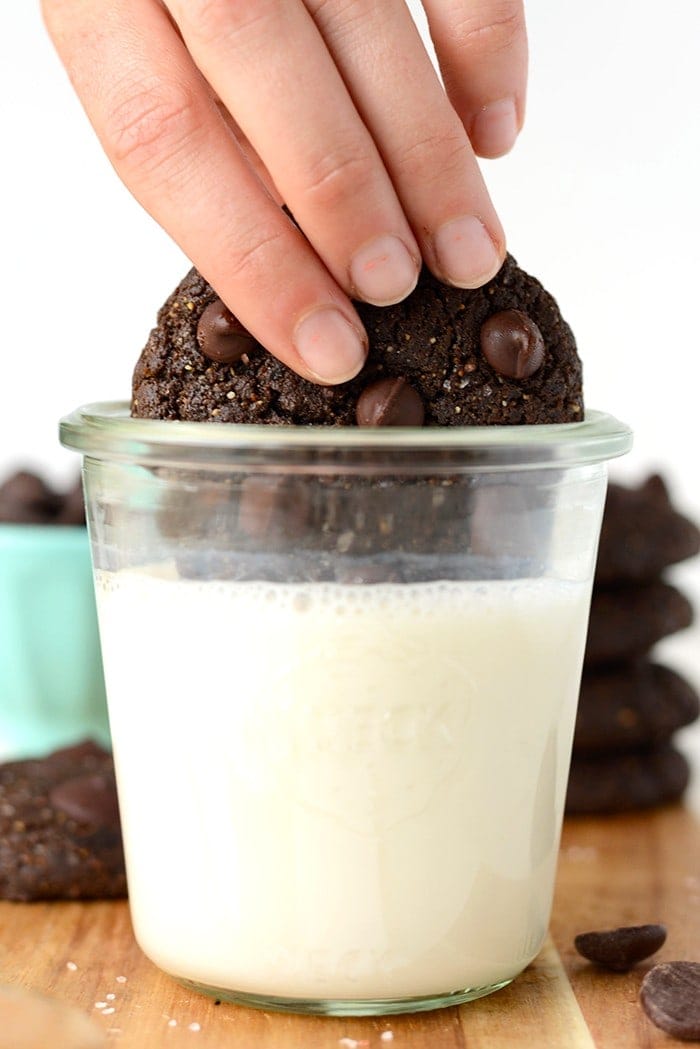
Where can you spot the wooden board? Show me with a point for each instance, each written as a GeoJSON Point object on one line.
{"type": "Point", "coordinates": [618, 871]}
{"type": "Point", "coordinates": [627, 871]}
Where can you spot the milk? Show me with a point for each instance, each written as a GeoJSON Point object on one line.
{"type": "Point", "coordinates": [338, 791]}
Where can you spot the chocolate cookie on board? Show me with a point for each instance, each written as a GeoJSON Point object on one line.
{"type": "Point", "coordinates": [627, 620]}
{"type": "Point", "coordinates": [642, 533]}
{"type": "Point", "coordinates": [501, 354]}
{"type": "Point", "coordinates": [60, 836]}
{"type": "Point", "coordinates": [624, 782]}
{"type": "Point", "coordinates": [632, 705]}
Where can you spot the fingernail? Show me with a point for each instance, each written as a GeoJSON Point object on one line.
{"type": "Point", "coordinates": [330, 346]}
{"type": "Point", "coordinates": [383, 272]}
{"type": "Point", "coordinates": [465, 252]}
{"type": "Point", "coordinates": [495, 128]}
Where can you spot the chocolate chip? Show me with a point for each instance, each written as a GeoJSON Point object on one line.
{"type": "Point", "coordinates": [512, 344]}
{"type": "Point", "coordinates": [87, 799]}
{"type": "Point", "coordinates": [620, 949]}
{"type": "Point", "coordinates": [670, 996]}
{"type": "Point", "coordinates": [389, 402]}
{"type": "Point", "coordinates": [221, 337]}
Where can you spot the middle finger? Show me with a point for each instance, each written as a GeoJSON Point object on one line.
{"type": "Point", "coordinates": [269, 65]}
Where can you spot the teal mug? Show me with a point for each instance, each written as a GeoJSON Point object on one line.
{"type": "Point", "coordinates": [51, 683]}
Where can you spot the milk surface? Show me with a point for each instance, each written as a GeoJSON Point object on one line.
{"type": "Point", "coordinates": [341, 791]}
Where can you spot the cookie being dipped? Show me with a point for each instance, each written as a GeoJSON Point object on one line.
{"type": "Point", "coordinates": [497, 355]}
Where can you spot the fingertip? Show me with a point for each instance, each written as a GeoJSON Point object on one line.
{"type": "Point", "coordinates": [468, 254]}
{"type": "Point", "coordinates": [495, 128]}
{"type": "Point", "coordinates": [384, 271]}
{"type": "Point", "coordinates": [332, 349]}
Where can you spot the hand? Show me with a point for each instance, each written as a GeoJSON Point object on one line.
{"type": "Point", "coordinates": [213, 112]}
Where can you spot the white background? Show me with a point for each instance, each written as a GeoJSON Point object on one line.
{"type": "Point", "coordinates": [599, 200]}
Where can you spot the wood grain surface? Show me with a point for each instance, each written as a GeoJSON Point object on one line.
{"type": "Point", "coordinates": [612, 872]}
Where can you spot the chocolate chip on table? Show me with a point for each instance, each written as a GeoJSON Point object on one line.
{"type": "Point", "coordinates": [221, 337]}
{"type": "Point", "coordinates": [87, 799]}
{"type": "Point", "coordinates": [512, 344]}
{"type": "Point", "coordinates": [389, 402]}
{"type": "Point", "coordinates": [620, 949]}
{"type": "Point", "coordinates": [670, 996]}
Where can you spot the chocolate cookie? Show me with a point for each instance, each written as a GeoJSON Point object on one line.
{"type": "Point", "coordinates": [628, 620]}
{"type": "Point", "coordinates": [501, 354]}
{"type": "Point", "coordinates": [60, 836]}
{"type": "Point", "coordinates": [632, 705]}
{"type": "Point", "coordinates": [25, 498]}
{"type": "Point", "coordinates": [625, 782]}
{"type": "Point", "coordinates": [642, 533]}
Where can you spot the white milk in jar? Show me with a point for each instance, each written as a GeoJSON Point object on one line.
{"type": "Point", "coordinates": [358, 788]}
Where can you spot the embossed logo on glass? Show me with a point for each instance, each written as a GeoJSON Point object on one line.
{"type": "Point", "coordinates": [366, 741]}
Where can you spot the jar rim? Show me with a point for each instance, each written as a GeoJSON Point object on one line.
{"type": "Point", "coordinates": [106, 430]}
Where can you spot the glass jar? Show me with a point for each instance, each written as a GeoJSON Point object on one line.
{"type": "Point", "coordinates": [342, 670]}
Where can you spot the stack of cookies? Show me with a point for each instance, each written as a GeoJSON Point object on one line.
{"type": "Point", "coordinates": [25, 498]}
{"type": "Point", "coordinates": [630, 706]}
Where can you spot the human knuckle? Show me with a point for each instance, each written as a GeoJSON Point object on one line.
{"type": "Point", "coordinates": [212, 21]}
{"type": "Point", "coordinates": [338, 175]}
{"type": "Point", "coordinates": [150, 124]}
{"type": "Point", "coordinates": [434, 153]}
{"type": "Point", "coordinates": [255, 254]}
{"type": "Point", "coordinates": [492, 28]}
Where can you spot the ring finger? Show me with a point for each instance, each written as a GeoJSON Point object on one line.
{"type": "Point", "coordinates": [421, 138]}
